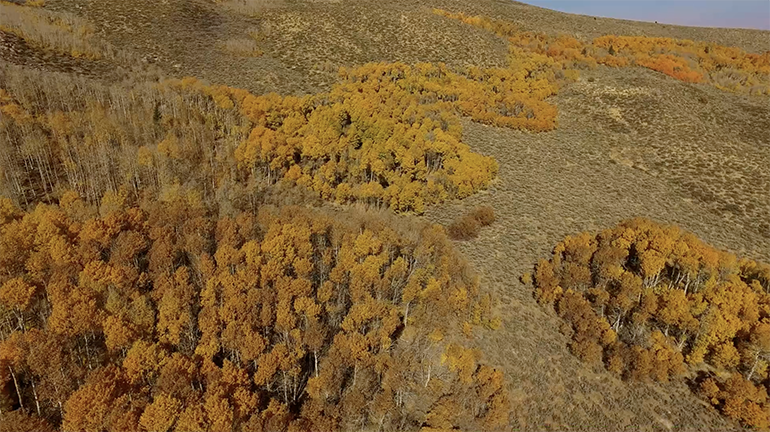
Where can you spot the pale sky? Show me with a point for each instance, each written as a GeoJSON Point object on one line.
{"type": "Point", "coordinates": [704, 13]}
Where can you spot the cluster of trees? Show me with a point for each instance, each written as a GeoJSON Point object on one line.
{"type": "Point", "coordinates": [62, 132]}
{"type": "Point", "coordinates": [58, 31]}
{"type": "Point", "coordinates": [651, 301]}
{"type": "Point", "coordinates": [118, 315]}
{"type": "Point", "coordinates": [653, 53]}
{"type": "Point", "coordinates": [383, 136]}
{"type": "Point", "coordinates": [386, 134]}
{"type": "Point", "coordinates": [727, 68]}
{"type": "Point", "coordinates": [166, 316]}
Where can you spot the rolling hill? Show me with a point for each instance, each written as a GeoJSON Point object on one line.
{"type": "Point", "coordinates": [625, 142]}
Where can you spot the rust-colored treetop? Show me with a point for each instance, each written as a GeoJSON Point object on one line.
{"type": "Point", "coordinates": [166, 317]}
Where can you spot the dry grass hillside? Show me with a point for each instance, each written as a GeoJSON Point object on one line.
{"type": "Point", "coordinates": [305, 42]}
{"type": "Point", "coordinates": [630, 142]}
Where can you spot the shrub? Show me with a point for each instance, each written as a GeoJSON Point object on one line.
{"type": "Point", "coordinates": [469, 226]}
{"type": "Point", "coordinates": [485, 215]}
{"type": "Point", "coordinates": [465, 228]}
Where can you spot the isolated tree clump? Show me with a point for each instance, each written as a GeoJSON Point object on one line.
{"type": "Point", "coordinates": [142, 315]}
{"type": "Point", "coordinates": [650, 301]}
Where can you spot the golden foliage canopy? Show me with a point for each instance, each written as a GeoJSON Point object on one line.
{"type": "Point", "coordinates": [167, 317]}
{"type": "Point", "coordinates": [649, 300]}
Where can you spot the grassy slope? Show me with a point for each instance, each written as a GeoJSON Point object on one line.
{"type": "Point", "coordinates": [564, 182]}
{"type": "Point", "coordinates": [630, 143]}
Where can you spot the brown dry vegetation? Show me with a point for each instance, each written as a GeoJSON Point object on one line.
{"type": "Point", "coordinates": [244, 47]}
{"type": "Point", "coordinates": [630, 142]}
{"type": "Point", "coordinates": [62, 32]}
{"type": "Point", "coordinates": [469, 225]}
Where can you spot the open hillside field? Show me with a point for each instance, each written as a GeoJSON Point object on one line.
{"type": "Point", "coordinates": [204, 191]}
{"type": "Point", "coordinates": [593, 172]}
{"type": "Point", "coordinates": [306, 42]}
